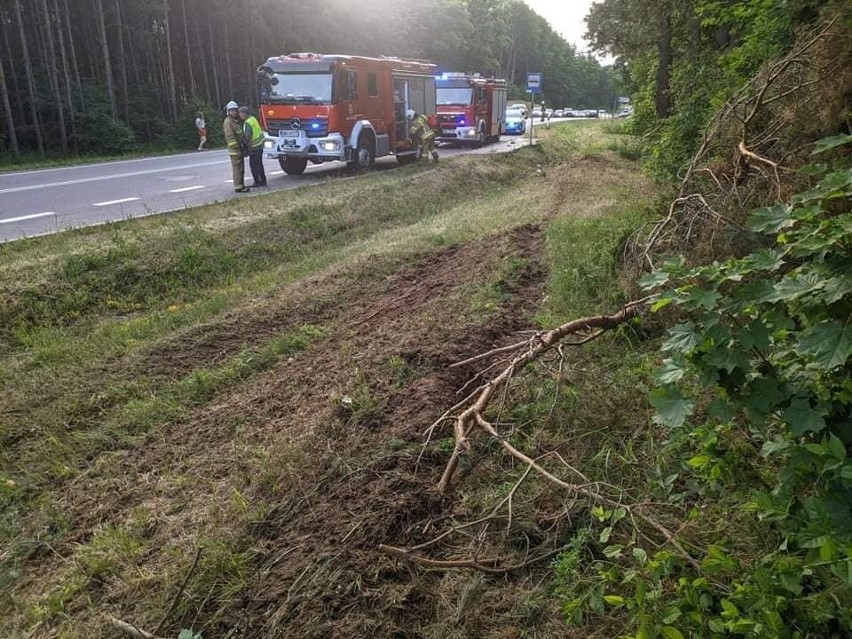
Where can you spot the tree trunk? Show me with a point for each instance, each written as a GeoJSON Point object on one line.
{"type": "Point", "coordinates": [199, 41]}
{"type": "Point", "coordinates": [171, 66]}
{"type": "Point", "coordinates": [66, 73]}
{"type": "Point", "coordinates": [113, 108]}
{"type": "Point", "coordinates": [213, 55]}
{"type": "Point", "coordinates": [125, 95]}
{"type": "Point", "coordinates": [53, 74]}
{"type": "Point", "coordinates": [28, 68]}
{"type": "Point", "coordinates": [188, 49]}
{"type": "Point", "coordinates": [664, 53]}
{"type": "Point", "coordinates": [228, 62]}
{"type": "Point", "coordinates": [16, 90]}
{"type": "Point", "coordinates": [7, 110]}
{"type": "Point", "coordinates": [74, 64]}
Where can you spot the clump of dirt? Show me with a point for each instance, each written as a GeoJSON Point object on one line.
{"type": "Point", "coordinates": [326, 446]}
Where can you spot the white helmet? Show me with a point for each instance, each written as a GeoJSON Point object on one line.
{"type": "Point", "coordinates": [410, 114]}
{"type": "Point", "coordinates": [231, 105]}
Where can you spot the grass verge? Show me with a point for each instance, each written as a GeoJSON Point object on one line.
{"type": "Point", "coordinates": [173, 382]}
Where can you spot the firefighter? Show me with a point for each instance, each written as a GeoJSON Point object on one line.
{"type": "Point", "coordinates": [422, 134]}
{"type": "Point", "coordinates": [238, 147]}
{"type": "Point", "coordinates": [255, 137]}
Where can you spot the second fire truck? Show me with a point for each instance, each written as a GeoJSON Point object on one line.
{"type": "Point", "coordinates": [471, 109]}
{"type": "Point", "coordinates": [320, 108]}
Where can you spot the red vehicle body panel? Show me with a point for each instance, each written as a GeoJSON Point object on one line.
{"type": "Point", "coordinates": [479, 117]}
{"type": "Point", "coordinates": [365, 94]}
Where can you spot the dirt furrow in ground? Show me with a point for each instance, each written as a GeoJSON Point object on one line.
{"type": "Point", "coordinates": [321, 450]}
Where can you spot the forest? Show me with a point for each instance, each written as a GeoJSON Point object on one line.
{"type": "Point", "coordinates": [106, 76]}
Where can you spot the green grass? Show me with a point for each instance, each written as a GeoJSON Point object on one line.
{"type": "Point", "coordinates": [83, 313]}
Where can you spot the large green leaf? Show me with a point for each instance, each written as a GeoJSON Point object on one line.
{"type": "Point", "coordinates": [670, 372]}
{"type": "Point", "coordinates": [771, 219]}
{"type": "Point", "coordinates": [802, 418]}
{"type": "Point", "coordinates": [682, 338]}
{"type": "Point", "coordinates": [829, 343]}
{"type": "Point", "coordinates": [826, 144]}
{"type": "Point", "coordinates": [672, 407]}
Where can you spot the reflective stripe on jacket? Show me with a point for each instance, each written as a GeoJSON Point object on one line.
{"type": "Point", "coordinates": [254, 131]}
{"type": "Point", "coordinates": [420, 128]}
{"type": "Point", "coordinates": [235, 136]}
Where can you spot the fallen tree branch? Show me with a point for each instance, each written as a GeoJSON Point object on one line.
{"type": "Point", "coordinates": [479, 400]}
{"type": "Point", "coordinates": [130, 630]}
{"type": "Point", "coordinates": [489, 566]}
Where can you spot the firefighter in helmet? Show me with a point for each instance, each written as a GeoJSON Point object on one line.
{"type": "Point", "coordinates": [422, 134]}
{"type": "Point", "coordinates": [238, 147]}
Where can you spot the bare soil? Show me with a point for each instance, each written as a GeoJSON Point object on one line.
{"type": "Point", "coordinates": [305, 470]}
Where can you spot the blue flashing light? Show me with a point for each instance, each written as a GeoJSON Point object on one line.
{"type": "Point", "coordinates": [462, 122]}
{"type": "Point", "coordinates": [315, 125]}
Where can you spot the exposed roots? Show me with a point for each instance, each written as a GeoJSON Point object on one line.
{"type": "Point", "coordinates": [751, 149]}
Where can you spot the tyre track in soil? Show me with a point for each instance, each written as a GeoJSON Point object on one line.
{"type": "Point", "coordinates": [319, 513]}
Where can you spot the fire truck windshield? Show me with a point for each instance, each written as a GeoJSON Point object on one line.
{"type": "Point", "coordinates": [452, 95]}
{"type": "Point", "coordinates": [291, 88]}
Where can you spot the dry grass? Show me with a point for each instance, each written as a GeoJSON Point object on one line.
{"type": "Point", "coordinates": [273, 416]}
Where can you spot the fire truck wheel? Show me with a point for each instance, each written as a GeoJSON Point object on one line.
{"type": "Point", "coordinates": [482, 139]}
{"type": "Point", "coordinates": [293, 166]}
{"type": "Point", "coordinates": [365, 157]}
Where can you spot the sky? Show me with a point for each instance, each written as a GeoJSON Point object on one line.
{"type": "Point", "coordinates": [566, 17]}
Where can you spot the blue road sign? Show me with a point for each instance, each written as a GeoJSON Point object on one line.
{"type": "Point", "coordinates": [534, 82]}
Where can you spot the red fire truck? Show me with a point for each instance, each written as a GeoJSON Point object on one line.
{"type": "Point", "coordinates": [321, 108]}
{"type": "Point", "coordinates": [471, 109]}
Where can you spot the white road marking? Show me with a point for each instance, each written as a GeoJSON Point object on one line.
{"type": "Point", "coordinates": [26, 217]}
{"type": "Point", "coordinates": [111, 202]}
{"type": "Point", "coordinates": [101, 178]}
{"type": "Point", "coordinates": [186, 188]}
{"type": "Point", "coordinates": [72, 167]}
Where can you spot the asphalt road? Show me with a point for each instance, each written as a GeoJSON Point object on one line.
{"type": "Point", "coordinates": [51, 200]}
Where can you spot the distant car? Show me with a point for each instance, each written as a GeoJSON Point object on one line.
{"type": "Point", "coordinates": [591, 113]}
{"type": "Point", "coordinates": [570, 113]}
{"type": "Point", "coordinates": [516, 122]}
{"type": "Point", "coordinates": [626, 112]}
{"type": "Point", "coordinates": [559, 113]}
{"type": "Point", "coordinates": [536, 113]}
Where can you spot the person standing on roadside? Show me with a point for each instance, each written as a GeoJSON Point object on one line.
{"type": "Point", "coordinates": [201, 127]}
{"type": "Point", "coordinates": [238, 147]}
{"type": "Point", "coordinates": [254, 135]}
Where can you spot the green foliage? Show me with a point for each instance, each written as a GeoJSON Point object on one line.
{"type": "Point", "coordinates": [716, 46]}
{"type": "Point", "coordinates": [764, 348]}
{"type": "Point", "coordinates": [157, 89]}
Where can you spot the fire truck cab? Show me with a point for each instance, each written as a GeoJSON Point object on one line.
{"type": "Point", "coordinates": [471, 109]}
{"type": "Point", "coordinates": [322, 108]}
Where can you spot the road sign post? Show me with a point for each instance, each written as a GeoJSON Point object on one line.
{"type": "Point", "coordinates": [534, 86]}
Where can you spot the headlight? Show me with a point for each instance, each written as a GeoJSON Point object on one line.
{"type": "Point", "coordinates": [471, 132]}
{"type": "Point", "coordinates": [330, 146]}
{"type": "Point", "coordinates": [268, 144]}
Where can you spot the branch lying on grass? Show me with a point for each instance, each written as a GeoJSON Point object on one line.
{"type": "Point", "coordinates": [472, 417]}
{"type": "Point", "coordinates": [489, 566]}
{"type": "Point", "coordinates": [130, 630]}
{"type": "Point", "coordinates": [477, 402]}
